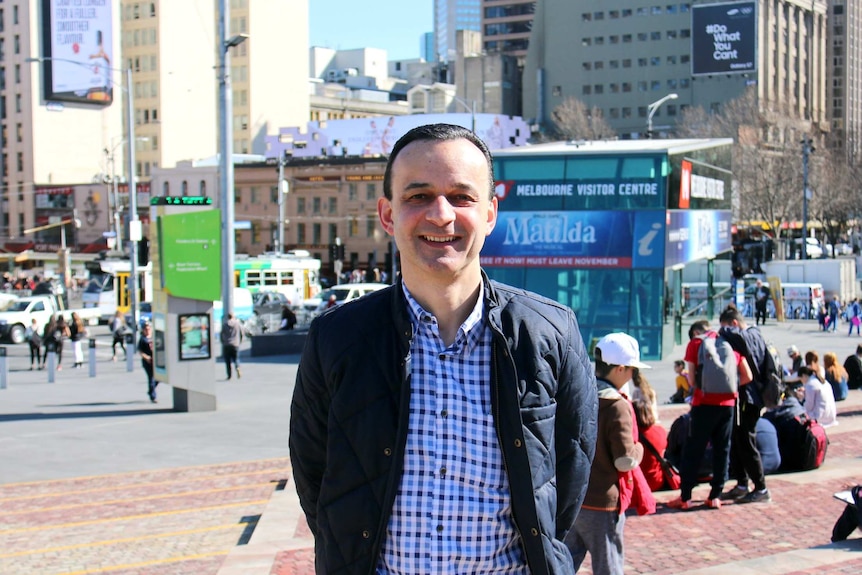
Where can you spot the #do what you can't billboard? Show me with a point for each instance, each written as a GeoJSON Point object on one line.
{"type": "Point", "coordinates": [723, 38]}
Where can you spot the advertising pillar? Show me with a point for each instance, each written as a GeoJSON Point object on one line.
{"type": "Point", "coordinates": [185, 251]}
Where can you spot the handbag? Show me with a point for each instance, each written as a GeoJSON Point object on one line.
{"type": "Point", "coordinates": [671, 475]}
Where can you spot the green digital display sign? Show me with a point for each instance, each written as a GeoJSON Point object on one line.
{"type": "Point", "coordinates": [190, 253]}
{"type": "Point", "coordinates": [181, 201]}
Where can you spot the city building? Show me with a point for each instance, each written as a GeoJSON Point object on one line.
{"type": "Point", "coordinates": [58, 141]}
{"type": "Point", "coordinates": [449, 17]}
{"type": "Point", "coordinates": [844, 90]}
{"type": "Point", "coordinates": [506, 26]}
{"type": "Point", "coordinates": [621, 56]}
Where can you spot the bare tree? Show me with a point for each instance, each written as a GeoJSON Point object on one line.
{"type": "Point", "coordinates": [574, 121]}
{"type": "Point", "coordinates": [765, 164]}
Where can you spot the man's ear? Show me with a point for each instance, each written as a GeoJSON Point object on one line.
{"type": "Point", "coordinates": [384, 213]}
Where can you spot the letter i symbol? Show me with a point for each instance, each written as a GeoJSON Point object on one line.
{"type": "Point", "coordinates": [644, 248]}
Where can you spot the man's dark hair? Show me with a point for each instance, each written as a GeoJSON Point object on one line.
{"type": "Point", "coordinates": [731, 314]}
{"type": "Point", "coordinates": [436, 132]}
{"type": "Point", "coordinates": [698, 327]}
{"type": "Point", "coordinates": [859, 349]}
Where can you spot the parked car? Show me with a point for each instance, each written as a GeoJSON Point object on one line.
{"type": "Point", "coordinates": [346, 292]}
{"type": "Point", "coordinates": [269, 302]}
{"type": "Point", "coordinates": [17, 317]}
{"type": "Point", "coordinates": [813, 248]}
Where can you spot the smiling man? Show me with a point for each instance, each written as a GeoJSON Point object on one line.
{"type": "Point", "coordinates": [445, 424]}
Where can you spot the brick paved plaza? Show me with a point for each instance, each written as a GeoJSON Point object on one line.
{"type": "Point", "coordinates": [95, 479]}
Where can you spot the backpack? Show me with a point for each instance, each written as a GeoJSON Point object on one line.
{"type": "Point", "coordinates": [802, 441]}
{"type": "Point", "coordinates": [716, 367]}
{"type": "Point", "coordinates": [770, 380]}
{"type": "Point", "coordinates": [768, 385]}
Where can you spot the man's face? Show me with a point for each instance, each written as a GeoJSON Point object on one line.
{"type": "Point", "coordinates": [441, 209]}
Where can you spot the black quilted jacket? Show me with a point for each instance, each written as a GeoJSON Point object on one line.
{"type": "Point", "coordinates": [349, 420]}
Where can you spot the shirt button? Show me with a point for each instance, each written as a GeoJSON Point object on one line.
{"type": "Point", "coordinates": [366, 534]}
{"type": "Point", "coordinates": [517, 443]}
{"type": "Point", "coordinates": [439, 529]}
{"type": "Point", "coordinates": [387, 452]}
{"type": "Point", "coordinates": [444, 413]}
{"type": "Point", "coordinates": [441, 357]}
{"type": "Point", "coordinates": [534, 532]}
{"type": "Point", "coordinates": [442, 471]}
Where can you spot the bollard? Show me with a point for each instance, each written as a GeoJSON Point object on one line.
{"type": "Point", "coordinates": [130, 352]}
{"type": "Point", "coordinates": [92, 357]}
{"type": "Point", "coordinates": [4, 368]}
{"type": "Point", "coordinates": [52, 361]}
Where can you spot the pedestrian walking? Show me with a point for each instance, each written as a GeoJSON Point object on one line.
{"type": "Point", "coordinates": [119, 329]}
{"type": "Point", "coordinates": [77, 333]}
{"type": "Point", "coordinates": [34, 340]}
{"type": "Point", "coordinates": [145, 349]}
{"type": "Point", "coordinates": [231, 338]}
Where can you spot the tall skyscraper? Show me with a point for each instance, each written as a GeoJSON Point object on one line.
{"type": "Point", "coordinates": [845, 86]}
{"type": "Point", "coordinates": [452, 15]}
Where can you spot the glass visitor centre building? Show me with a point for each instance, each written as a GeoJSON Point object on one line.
{"type": "Point", "coordinates": [606, 227]}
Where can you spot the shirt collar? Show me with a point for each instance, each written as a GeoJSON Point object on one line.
{"type": "Point", "coordinates": [470, 332]}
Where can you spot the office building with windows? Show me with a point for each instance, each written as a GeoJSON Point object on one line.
{"type": "Point", "coordinates": [844, 88]}
{"type": "Point", "coordinates": [621, 56]}
{"type": "Point", "coordinates": [506, 26]}
{"type": "Point", "coordinates": [449, 17]}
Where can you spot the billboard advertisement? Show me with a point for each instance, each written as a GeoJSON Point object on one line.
{"type": "Point", "coordinates": [697, 234]}
{"type": "Point", "coordinates": [376, 136]}
{"type": "Point", "coordinates": [723, 38]}
{"type": "Point", "coordinates": [77, 38]}
{"type": "Point", "coordinates": [585, 239]}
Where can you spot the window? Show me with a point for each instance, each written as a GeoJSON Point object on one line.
{"type": "Point", "coordinates": [642, 86]}
{"type": "Point", "coordinates": [684, 59]}
{"type": "Point", "coordinates": [333, 232]}
{"type": "Point", "coordinates": [315, 205]}
{"type": "Point", "coordinates": [333, 205]}
{"type": "Point", "coordinates": [166, 188]}
{"type": "Point", "coordinates": [370, 226]}
{"type": "Point", "coordinates": [599, 65]}
{"type": "Point", "coordinates": [614, 88]}
{"type": "Point", "coordinates": [627, 63]}
{"type": "Point", "coordinates": [598, 15]}
{"type": "Point", "coordinates": [371, 192]}
{"type": "Point", "coordinates": [642, 62]}
{"type": "Point", "coordinates": [351, 192]}
{"type": "Point", "coordinates": [587, 90]}
{"type": "Point", "coordinates": [656, 10]}
{"type": "Point", "coordinates": [353, 227]}
{"type": "Point", "coordinates": [599, 89]}
{"type": "Point", "coordinates": [614, 113]}
{"type": "Point", "coordinates": [300, 205]}
{"type": "Point", "coordinates": [20, 161]}
{"type": "Point", "coordinates": [672, 84]}
{"type": "Point", "coordinates": [202, 188]}
{"type": "Point", "coordinates": [300, 234]}
{"type": "Point", "coordinates": [655, 35]}
{"type": "Point", "coordinates": [17, 44]}
{"type": "Point", "coordinates": [585, 42]}
{"type": "Point", "coordinates": [627, 112]}
{"type": "Point", "coordinates": [614, 39]}
{"type": "Point", "coordinates": [655, 61]}
{"type": "Point", "coordinates": [671, 109]}
{"type": "Point", "coordinates": [613, 64]}
{"type": "Point", "coordinates": [671, 60]}
{"type": "Point", "coordinates": [587, 66]}
{"type": "Point", "coordinates": [17, 105]}
{"type": "Point", "coordinates": [237, 197]}
{"type": "Point", "coordinates": [627, 38]}
{"type": "Point", "coordinates": [19, 132]}
{"type": "Point", "coordinates": [17, 73]}
{"type": "Point", "coordinates": [642, 36]}
{"type": "Point", "coordinates": [627, 86]}
{"type": "Point", "coordinates": [642, 111]}
{"type": "Point", "coordinates": [315, 234]}
{"type": "Point", "coordinates": [655, 85]}
{"type": "Point", "coordinates": [586, 17]}
{"type": "Point", "coordinates": [613, 14]}
{"type": "Point", "coordinates": [685, 83]}
{"type": "Point", "coordinates": [685, 33]}
{"type": "Point", "coordinates": [671, 34]}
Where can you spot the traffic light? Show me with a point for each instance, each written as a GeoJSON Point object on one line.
{"type": "Point", "coordinates": [143, 252]}
{"type": "Point", "coordinates": [333, 252]}
{"type": "Point", "coordinates": [340, 252]}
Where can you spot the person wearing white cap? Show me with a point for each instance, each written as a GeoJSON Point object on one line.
{"type": "Point", "coordinates": [599, 526]}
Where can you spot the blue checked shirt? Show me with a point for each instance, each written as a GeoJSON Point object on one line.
{"type": "Point", "coordinates": [452, 512]}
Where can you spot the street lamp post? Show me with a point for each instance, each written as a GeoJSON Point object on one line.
{"type": "Point", "coordinates": [225, 101]}
{"type": "Point", "coordinates": [134, 222]}
{"type": "Point", "coordinates": [652, 108]}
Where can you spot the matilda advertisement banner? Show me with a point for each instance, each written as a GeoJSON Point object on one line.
{"type": "Point", "coordinates": [593, 239]}
{"type": "Point", "coordinates": [723, 38]}
{"type": "Point", "coordinates": [696, 234]}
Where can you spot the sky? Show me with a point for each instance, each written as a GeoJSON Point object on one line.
{"type": "Point", "coordinates": [394, 25]}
